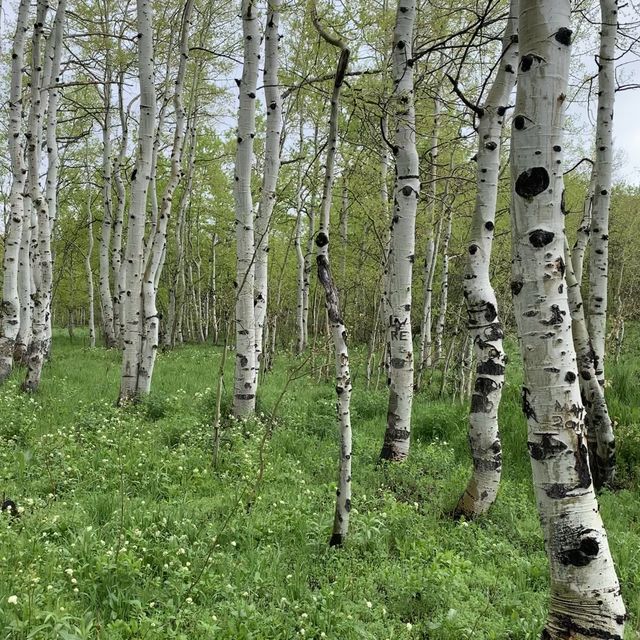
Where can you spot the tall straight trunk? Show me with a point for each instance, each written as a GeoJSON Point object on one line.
{"type": "Point", "coordinates": [244, 396]}
{"type": "Point", "coordinates": [402, 248]}
{"type": "Point", "coordinates": [44, 80]}
{"type": "Point", "coordinates": [585, 594]}
{"type": "Point", "coordinates": [431, 253]}
{"type": "Point", "coordinates": [336, 323]}
{"type": "Point", "coordinates": [300, 274]}
{"type": "Point", "coordinates": [133, 323]}
{"type": "Point", "coordinates": [89, 272]}
{"type": "Point", "coordinates": [584, 230]}
{"type": "Point", "coordinates": [23, 337]}
{"type": "Point", "coordinates": [599, 256]}
{"type": "Point", "coordinates": [106, 299]}
{"type": "Point", "coordinates": [118, 220]}
{"type": "Point", "coordinates": [158, 241]}
{"type": "Point", "coordinates": [273, 101]}
{"type": "Point", "coordinates": [483, 321]}
{"type": "Point", "coordinates": [10, 317]}
{"type": "Point", "coordinates": [602, 446]}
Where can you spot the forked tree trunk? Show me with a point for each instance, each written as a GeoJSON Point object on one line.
{"type": "Point", "coordinates": [402, 249]}
{"type": "Point", "coordinates": [134, 251]}
{"type": "Point", "coordinates": [585, 593]}
{"type": "Point", "coordinates": [273, 100]}
{"type": "Point", "coordinates": [158, 241]}
{"type": "Point", "coordinates": [483, 322]}
{"type": "Point", "coordinates": [10, 316]}
{"type": "Point", "coordinates": [599, 257]}
{"type": "Point", "coordinates": [336, 323]}
{"type": "Point", "coordinates": [244, 396]}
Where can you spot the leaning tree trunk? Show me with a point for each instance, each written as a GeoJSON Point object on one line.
{"type": "Point", "coordinates": [336, 323]}
{"type": "Point", "coordinates": [402, 248]}
{"type": "Point", "coordinates": [133, 266]}
{"type": "Point", "coordinates": [244, 396]}
{"type": "Point", "coordinates": [600, 438]}
{"type": "Point", "coordinates": [485, 328]}
{"type": "Point", "coordinates": [273, 100]}
{"type": "Point", "coordinates": [585, 593]}
{"type": "Point", "coordinates": [10, 317]}
{"type": "Point", "coordinates": [158, 242]}
{"type": "Point", "coordinates": [599, 256]}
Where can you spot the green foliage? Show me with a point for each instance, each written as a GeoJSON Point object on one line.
{"type": "Point", "coordinates": [127, 532]}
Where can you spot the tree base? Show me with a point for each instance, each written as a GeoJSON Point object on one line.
{"type": "Point", "coordinates": [337, 540]}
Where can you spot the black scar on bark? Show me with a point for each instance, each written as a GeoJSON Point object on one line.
{"type": "Point", "coordinates": [490, 313]}
{"type": "Point", "coordinates": [480, 402]}
{"type": "Point", "coordinates": [540, 238]}
{"type": "Point", "coordinates": [570, 377]}
{"type": "Point", "coordinates": [490, 368]}
{"type": "Point", "coordinates": [570, 629]}
{"type": "Point", "coordinates": [489, 226]}
{"type": "Point", "coordinates": [336, 540]}
{"type": "Point", "coordinates": [582, 465]}
{"type": "Point", "coordinates": [563, 36]}
{"type": "Point", "coordinates": [532, 182]}
{"type": "Point", "coordinates": [527, 409]}
{"type": "Point", "coordinates": [322, 240]}
{"type": "Point", "coordinates": [519, 123]}
{"type": "Point", "coordinates": [583, 555]}
{"type": "Point", "coordinates": [556, 316]}
{"type": "Point", "coordinates": [548, 447]}
{"type": "Point", "coordinates": [526, 62]}
{"type": "Point", "coordinates": [516, 287]}
{"type": "Point", "coordinates": [473, 249]}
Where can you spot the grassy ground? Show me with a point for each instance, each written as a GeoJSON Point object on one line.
{"type": "Point", "coordinates": [127, 532]}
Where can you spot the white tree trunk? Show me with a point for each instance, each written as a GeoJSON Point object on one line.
{"type": "Point", "coordinates": [300, 274]}
{"type": "Point", "coordinates": [273, 101]}
{"type": "Point", "coordinates": [11, 303]}
{"type": "Point", "coordinates": [485, 328]}
{"type": "Point", "coordinates": [244, 397]}
{"type": "Point", "coordinates": [585, 594]}
{"type": "Point", "coordinates": [134, 250]}
{"type": "Point", "coordinates": [599, 256]}
{"type": "Point", "coordinates": [402, 249]}
{"type": "Point", "coordinates": [158, 241]}
{"type": "Point", "coordinates": [89, 272]}
{"type": "Point", "coordinates": [584, 230]}
{"type": "Point", "coordinates": [336, 323]}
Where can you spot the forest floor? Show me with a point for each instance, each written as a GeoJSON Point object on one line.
{"type": "Point", "coordinates": [127, 530]}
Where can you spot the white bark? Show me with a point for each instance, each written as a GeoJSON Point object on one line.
{"type": "Point", "coordinates": [244, 398]}
{"type": "Point", "coordinates": [14, 228]}
{"type": "Point", "coordinates": [584, 230]}
{"type": "Point", "coordinates": [599, 256]}
{"type": "Point", "coordinates": [484, 325]}
{"type": "Point", "coordinates": [158, 241]}
{"type": "Point", "coordinates": [402, 249]}
{"type": "Point", "coordinates": [134, 251]}
{"type": "Point", "coordinates": [273, 101]}
{"type": "Point", "coordinates": [585, 594]}
{"type": "Point", "coordinates": [336, 323]}
{"type": "Point", "coordinates": [300, 321]}
{"type": "Point", "coordinates": [89, 272]}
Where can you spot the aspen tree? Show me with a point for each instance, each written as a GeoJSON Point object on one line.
{"type": "Point", "coordinates": [599, 250]}
{"type": "Point", "coordinates": [11, 303]}
{"type": "Point", "coordinates": [244, 396]}
{"type": "Point", "coordinates": [484, 325]}
{"type": "Point", "coordinates": [133, 264]}
{"type": "Point", "coordinates": [325, 278]}
{"type": "Point", "coordinates": [273, 101]}
{"type": "Point", "coordinates": [402, 247]}
{"type": "Point", "coordinates": [585, 595]}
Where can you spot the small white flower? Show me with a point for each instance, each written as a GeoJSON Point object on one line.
{"type": "Point", "coordinates": [189, 600]}
{"type": "Point", "coordinates": [409, 626]}
{"type": "Point", "coordinates": [369, 604]}
{"type": "Point", "coordinates": [234, 543]}
{"type": "Point", "coordinates": [12, 599]}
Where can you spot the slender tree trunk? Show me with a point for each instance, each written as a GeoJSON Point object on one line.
{"type": "Point", "coordinates": [402, 249]}
{"type": "Point", "coordinates": [585, 594]}
{"type": "Point", "coordinates": [158, 241]}
{"type": "Point", "coordinates": [11, 302]}
{"type": "Point", "coordinates": [134, 251]}
{"type": "Point", "coordinates": [89, 272]}
{"type": "Point", "coordinates": [273, 100]}
{"type": "Point", "coordinates": [599, 256]}
{"type": "Point", "coordinates": [244, 397]}
{"type": "Point", "coordinates": [483, 321]}
{"type": "Point", "coordinates": [300, 321]}
{"type": "Point", "coordinates": [336, 323]}
{"type": "Point", "coordinates": [584, 230]}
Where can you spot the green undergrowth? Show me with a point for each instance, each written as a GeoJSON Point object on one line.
{"type": "Point", "coordinates": [127, 530]}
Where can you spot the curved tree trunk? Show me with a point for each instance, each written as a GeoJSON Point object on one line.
{"type": "Point", "coordinates": [244, 396]}
{"type": "Point", "coordinates": [402, 248]}
{"type": "Point", "coordinates": [585, 594]}
{"type": "Point", "coordinates": [483, 323]}
{"type": "Point", "coordinates": [599, 257]}
{"type": "Point", "coordinates": [10, 316]}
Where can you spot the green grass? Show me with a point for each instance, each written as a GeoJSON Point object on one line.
{"type": "Point", "coordinates": [127, 531]}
